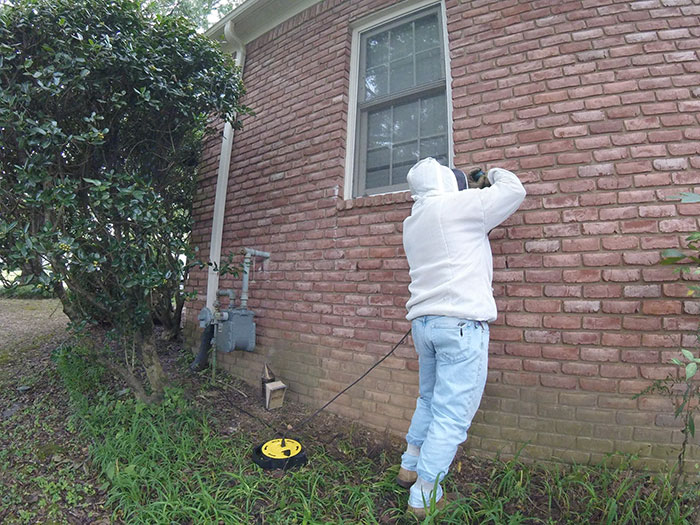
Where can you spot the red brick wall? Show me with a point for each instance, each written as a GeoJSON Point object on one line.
{"type": "Point", "coordinates": [596, 106]}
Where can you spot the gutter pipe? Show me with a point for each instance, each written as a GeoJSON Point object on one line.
{"type": "Point", "coordinates": [222, 180]}
{"type": "Point", "coordinates": [217, 227]}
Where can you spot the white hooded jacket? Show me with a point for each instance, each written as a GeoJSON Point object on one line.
{"type": "Point", "coordinates": [446, 240]}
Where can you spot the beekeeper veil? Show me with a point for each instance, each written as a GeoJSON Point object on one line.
{"type": "Point", "coordinates": [428, 178]}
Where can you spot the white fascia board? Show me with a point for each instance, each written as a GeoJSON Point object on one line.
{"type": "Point", "coordinates": [254, 18]}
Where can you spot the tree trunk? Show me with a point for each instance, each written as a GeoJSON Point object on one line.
{"type": "Point", "coordinates": [168, 316]}
{"type": "Point", "coordinates": [68, 308]}
{"type": "Point", "coordinates": [151, 362]}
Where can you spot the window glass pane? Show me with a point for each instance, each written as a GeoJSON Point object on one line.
{"type": "Point", "coordinates": [376, 82]}
{"type": "Point", "coordinates": [405, 122]}
{"type": "Point", "coordinates": [401, 41]}
{"type": "Point", "coordinates": [401, 75]}
{"type": "Point", "coordinates": [378, 168]}
{"type": "Point", "coordinates": [434, 147]}
{"type": "Point", "coordinates": [427, 33]}
{"type": "Point", "coordinates": [377, 49]}
{"type": "Point", "coordinates": [428, 67]}
{"type": "Point", "coordinates": [377, 178]}
{"type": "Point", "coordinates": [433, 116]}
{"type": "Point", "coordinates": [403, 157]}
{"type": "Point", "coordinates": [379, 128]}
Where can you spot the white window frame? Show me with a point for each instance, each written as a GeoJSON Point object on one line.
{"type": "Point", "coordinates": [366, 24]}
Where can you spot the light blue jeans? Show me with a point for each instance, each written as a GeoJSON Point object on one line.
{"type": "Point", "coordinates": [453, 360]}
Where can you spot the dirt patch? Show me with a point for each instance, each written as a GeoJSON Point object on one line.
{"type": "Point", "coordinates": [45, 476]}
{"type": "Point", "coordinates": [28, 326]}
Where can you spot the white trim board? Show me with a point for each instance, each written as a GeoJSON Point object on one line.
{"type": "Point", "coordinates": [254, 18]}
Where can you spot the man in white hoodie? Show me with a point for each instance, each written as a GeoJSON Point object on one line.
{"type": "Point", "coordinates": [449, 256]}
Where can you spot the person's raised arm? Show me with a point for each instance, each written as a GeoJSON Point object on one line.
{"type": "Point", "coordinates": [502, 198]}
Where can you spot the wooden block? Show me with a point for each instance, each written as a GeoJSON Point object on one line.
{"type": "Point", "coordinates": [274, 394]}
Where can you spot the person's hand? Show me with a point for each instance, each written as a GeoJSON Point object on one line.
{"type": "Point", "coordinates": [477, 179]}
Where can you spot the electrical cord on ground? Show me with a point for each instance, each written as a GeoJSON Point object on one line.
{"type": "Point", "coordinates": [317, 412]}
{"type": "Point", "coordinates": [253, 416]}
{"type": "Point", "coordinates": [306, 421]}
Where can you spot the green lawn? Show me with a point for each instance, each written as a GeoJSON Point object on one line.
{"type": "Point", "coordinates": [74, 447]}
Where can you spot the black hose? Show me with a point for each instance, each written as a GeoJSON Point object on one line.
{"type": "Point", "coordinates": [202, 359]}
{"type": "Point", "coordinates": [375, 365]}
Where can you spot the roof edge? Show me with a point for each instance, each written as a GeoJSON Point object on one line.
{"type": "Point", "coordinates": [253, 18]}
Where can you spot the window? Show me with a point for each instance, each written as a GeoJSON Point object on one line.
{"type": "Point", "coordinates": [401, 112]}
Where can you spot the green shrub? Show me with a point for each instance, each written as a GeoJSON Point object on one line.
{"type": "Point", "coordinates": [26, 292]}
{"type": "Point", "coordinates": [103, 112]}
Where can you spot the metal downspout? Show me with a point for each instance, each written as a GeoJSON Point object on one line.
{"type": "Point", "coordinates": [217, 227]}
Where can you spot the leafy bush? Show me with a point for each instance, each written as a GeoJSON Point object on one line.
{"type": "Point", "coordinates": [103, 109]}
{"type": "Point", "coordinates": [25, 292]}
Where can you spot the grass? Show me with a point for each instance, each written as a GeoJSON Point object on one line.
{"type": "Point", "coordinates": [39, 478]}
{"type": "Point", "coordinates": [164, 464]}
{"type": "Point", "coordinates": [167, 464]}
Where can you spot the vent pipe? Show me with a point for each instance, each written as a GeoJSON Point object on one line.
{"type": "Point", "coordinates": [249, 254]}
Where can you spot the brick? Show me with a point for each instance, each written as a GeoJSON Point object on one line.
{"type": "Point", "coordinates": [562, 291]}
{"type": "Point", "coordinates": [601, 323]}
{"type": "Point", "coordinates": [661, 341]}
{"type": "Point", "coordinates": [562, 382]}
{"type": "Point", "coordinates": [620, 243]}
{"type": "Point", "coordinates": [581, 276]}
{"type": "Point", "coordinates": [602, 291]}
{"type": "Point", "coordinates": [641, 258]}
{"type": "Point", "coordinates": [621, 307]}
{"type": "Point", "coordinates": [601, 259]}
{"type": "Point", "coordinates": [662, 307]}
{"type": "Point", "coordinates": [580, 245]}
{"type": "Point", "coordinates": [596, 170]}
{"type": "Point", "coordinates": [642, 291]}
{"type": "Point", "coordinates": [520, 378]}
{"type": "Point", "coordinates": [543, 276]}
{"type": "Point", "coordinates": [542, 305]}
{"type": "Point", "coordinates": [577, 186]}
{"type": "Point", "coordinates": [542, 336]}
{"type": "Point", "coordinates": [598, 385]}
{"type": "Point", "coordinates": [542, 246]}
{"type": "Point", "coordinates": [678, 225]}
{"type": "Point", "coordinates": [600, 228]}
{"type": "Point", "coordinates": [581, 306]}
{"type": "Point", "coordinates": [658, 372]}
{"type": "Point", "coordinates": [600, 354]}
{"type": "Point", "coordinates": [639, 356]}
{"type": "Point", "coordinates": [657, 211]}
{"type": "Point", "coordinates": [621, 339]}
{"type": "Point", "coordinates": [542, 217]}
{"type": "Point", "coordinates": [523, 261]}
{"type": "Point", "coordinates": [598, 199]}
{"type": "Point", "coordinates": [621, 275]}
{"type": "Point", "coordinates": [641, 323]}
{"type": "Point", "coordinates": [565, 322]}
{"type": "Point", "coordinates": [580, 338]}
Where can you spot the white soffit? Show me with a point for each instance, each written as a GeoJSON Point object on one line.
{"type": "Point", "coordinates": [254, 18]}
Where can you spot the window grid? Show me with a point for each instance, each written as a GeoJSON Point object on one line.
{"type": "Point", "coordinates": [390, 168]}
